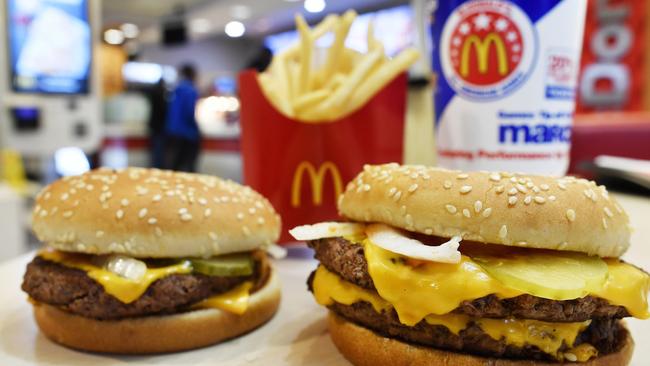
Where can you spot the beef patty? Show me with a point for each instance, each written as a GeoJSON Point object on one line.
{"type": "Point", "coordinates": [347, 260]}
{"type": "Point", "coordinates": [606, 335]}
{"type": "Point", "coordinates": [72, 290]}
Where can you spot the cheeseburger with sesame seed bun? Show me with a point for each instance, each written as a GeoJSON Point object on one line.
{"type": "Point", "coordinates": [148, 261]}
{"type": "Point", "coordinates": [439, 267]}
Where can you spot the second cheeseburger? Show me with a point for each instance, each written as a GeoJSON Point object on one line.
{"type": "Point", "coordinates": [145, 261]}
{"type": "Point", "coordinates": [440, 267]}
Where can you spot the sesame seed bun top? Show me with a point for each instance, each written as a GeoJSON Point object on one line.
{"type": "Point", "coordinates": [153, 213]}
{"type": "Point", "coordinates": [498, 208]}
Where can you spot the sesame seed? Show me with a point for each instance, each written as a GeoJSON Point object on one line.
{"type": "Point", "coordinates": [465, 189]}
{"type": "Point", "coordinates": [522, 243]}
{"type": "Point", "coordinates": [207, 212]}
{"type": "Point", "coordinates": [240, 216]}
{"type": "Point", "coordinates": [528, 200]}
{"type": "Point", "coordinates": [478, 205]}
{"type": "Point", "coordinates": [142, 213]}
{"type": "Point", "coordinates": [487, 212]}
{"type": "Point", "coordinates": [451, 209]}
{"type": "Point", "coordinates": [182, 211]}
{"type": "Point", "coordinates": [124, 202]}
{"type": "Point", "coordinates": [618, 208]}
{"type": "Point", "coordinates": [540, 199]}
{"type": "Point", "coordinates": [186, 217]}
{"type": "Point", "coordinates": [513, 179]}
{"type": "Point", "coordinates": [447, 184]}
{"type": "Point", "coordinates": [562, 186]}
{"type": "Point", "coordinates": [64, 196]}
{"type": "Point", "coordinates": [495, 177]}
{"type": "Point", "coordinates": [397, 196]}
{"type": "Point", "coordinates": [413, 187]}
{"type": "Point", "coordinates": [570, 356]}
{"type": "Point", "coordinates": [462, 176]}
{"type": "Point", "coordinates": [587, 193]}
{"type": "Point", "coordinates": [366, 187]}
{"type": "Point", "coordinates": [604, 223]}
{"type": "Point", "coordinates": [261, 221]}
{"type": "Point", "coordinates": [552, 198]}
{"type": "Point", "coordinates": [152, 221]}
{"type": "Point", "coordinates": [521, 188]}
{"type": "Point", "coordinates": [157, 198]}
{"type": "Point", "coordinates": [67, 214]}
{"type": "Point", "coordinates": [119, 214]}
{"type": "Point", "coordinates": [536, 189]}
{"type": "Point", "coordinates": [409, 219]}
{"type": "Point", "coordinates": [512, 200]}
{"type": "Point", "coordinates": [499, 189]}
{"type": "Point", "coordinates": [158, 231]}
{"type": "Point", "coordinates": [466, 213]}
{"type": "Point", "coordinates": [512, 191]}
{"type": "Point", "coordinates": [608, 212]}
{"type": "Point", "coordinates": [529, 184]}
{"type": "Point", "coordinates": [392, 191]}
{"type": "Point", "coordinates": [563, 245]}
{"type": "Point", "coordinates": [544, 187]}
{"type": "Point", "coordinates": [428, 231]}
{"type": "Point", "coordinates": [47, 196]}
{"type": "Point", "coordinates": [571, 215]}
{"type": "Point", "coordinates": [503, 232]}
{"type": "Point", "coordinates": [99, 233]}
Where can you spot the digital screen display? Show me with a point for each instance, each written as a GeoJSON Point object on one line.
{"type": "Point", "coordinates": [50, 46]}
{"type": "Point", "coordinates": [394, 28]}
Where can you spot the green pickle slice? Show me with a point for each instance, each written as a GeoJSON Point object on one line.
{"type": "Point", "coordinates": [225, 265]}
{"type": "Point", "coordinates": [557, 276]}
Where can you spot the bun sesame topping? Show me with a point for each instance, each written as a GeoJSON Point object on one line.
{"type": "Point", "coordinates": [503, 208]}
{"type": "Point", "coordinates": [153, 213]}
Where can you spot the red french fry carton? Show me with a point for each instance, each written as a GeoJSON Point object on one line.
{"type": "Point", "coordinates": [302, 167]}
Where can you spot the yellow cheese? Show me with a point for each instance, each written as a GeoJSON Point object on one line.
{"type": "Point", "coordinates": [438, 288]}
{"type": "Point", "coordinates": [626, 286]}
{"type": "Point", "coordinates": [123, 289]}
{"type": "Point", "coordinates": [548, 337]}
{"type": "Point", "coordinates": [329, 287]}
{"type": "Point", "coordinates": [234, 301]}
{"type": "Point", "coordinates": [432, 288]}
{"type": "Point", "coordinates": [454, 322]}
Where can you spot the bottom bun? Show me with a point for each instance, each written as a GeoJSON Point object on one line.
{"type": "Point", "coordinates": [363, 347]}
{"type": "Point", "coordinates": [158, 334]}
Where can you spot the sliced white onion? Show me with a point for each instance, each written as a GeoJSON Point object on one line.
{"type": "Point", "coordinates": [326, 230]}
{"type": "Point", "coordinates": [126, 267]}
{"type": "Point", "coordinates": [394, 241]}
{"type": "Point", "coordinates": [276, 251]}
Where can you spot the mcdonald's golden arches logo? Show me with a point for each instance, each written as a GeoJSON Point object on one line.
{"type": "Point", "coordinates": [316, 179]}
{"type": "Point", "coordinates": [487, 48]}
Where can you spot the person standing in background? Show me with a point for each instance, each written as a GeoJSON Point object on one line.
{"type": "Point", "coordinates": [184, 137]}
{"type": "Point", "coordinates": [157, 118]}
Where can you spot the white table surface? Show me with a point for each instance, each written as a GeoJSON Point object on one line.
{"type": "Point", "coordinates": [295, 336]}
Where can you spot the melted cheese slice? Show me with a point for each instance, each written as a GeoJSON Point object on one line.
{"type": "Point", "coordinates": [549, 337]}
{"type": "Point", "coordinates": [439, 288]}
{"type": "Point", "coordinates": [123, 289]}
{"type": "Point", "coordinates": [234, 301]}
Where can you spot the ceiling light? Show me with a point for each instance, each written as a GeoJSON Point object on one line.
{"type": "Point", "coordinates": [130, 30]}
{"type": "Point", "coordinates": [235, 29]}
{"type": "Point", "coordinates": [314, 6]}
{"type": "Point", "coordinates": [114, 36]}
{"type": "Point", "coordinates": [240, 12]}
{"type": "Point", "coordinates": [200, 25]}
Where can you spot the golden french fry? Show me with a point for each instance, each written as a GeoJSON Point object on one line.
{"type": "Point", "coordinates": [326, 25]}
{"type": "Point", "coordinates": [371, 41]}
{"type": "Point", "coordinates": [334, 82]}
{"type": "Point", "coordinates": [340, 34]}
{"type": "Point", "coordinates": [306, 48]}
{"type": "Point", "coordinates": [272, 91]}
{"type": "Point", "coordinates": [309, 100]}
{"type": "Point", "coordinates": [338, 98]}
{"type": "Point", "coordinates": [379, 79]}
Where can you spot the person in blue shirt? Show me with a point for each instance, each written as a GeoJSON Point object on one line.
{"type": "Point", "coordinates": [184, 137]}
